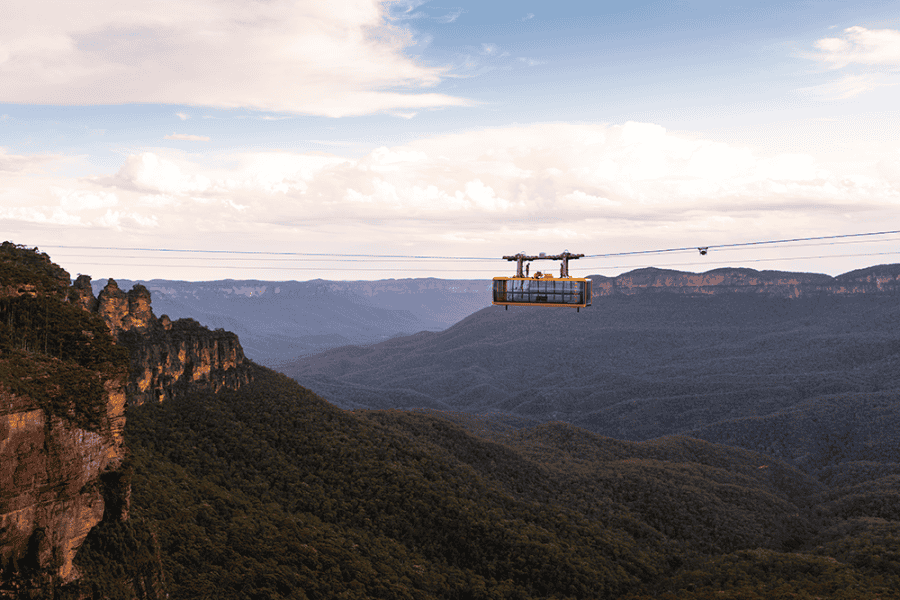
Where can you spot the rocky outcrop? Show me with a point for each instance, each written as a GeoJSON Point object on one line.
{"type": "Point", "coordinates": [173, 358]}
{"type": "Point", "coordinates": [69, 363]}
{"type": "Point", "coordinates": [62, 418]}
{"type": "Point", "coordinates": [168, 358]}
{"type": "Point", "coordinates": [82, 295]}
{"type": "Point", "coordinates": [879, 279]}
{"type": "Point", "coordinates": [52, 474]}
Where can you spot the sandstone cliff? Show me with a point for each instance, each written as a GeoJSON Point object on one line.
{"type": "Point", "coordinates": [69, 363]}
{"type": "Point", "coordinates": [878, 279]}
{"type": "Point", "coordinates": [52, 473]}
{"type": "Point", "coordinates": [168, 358]}
{"type": "Point", "coordinates": [62, 416]}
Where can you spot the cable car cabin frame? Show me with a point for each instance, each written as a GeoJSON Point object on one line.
{"type": "Point", "coordinates": [542, 289]}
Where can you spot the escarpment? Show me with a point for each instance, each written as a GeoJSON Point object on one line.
{"type": "Point", "coordinates": [62, 417]}
{"type": "Point", "coordinates": [69, 364]}
{"type": "Point", "coordinates": [872, 280]}
{"type": "Point", "coordinates": [168, 358]}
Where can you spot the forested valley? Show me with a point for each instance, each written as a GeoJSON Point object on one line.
{"type": "Point", "coordinates": [268, 490]}
{"type": "Point", "coordinates": [271, 492]}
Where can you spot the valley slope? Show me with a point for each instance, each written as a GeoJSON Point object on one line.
{"type": "Point", "coordinates": [630, 367]}
{"type": "Point", "coordinates": [813, 379]}
{"type": "Point", "coordinates": [270, 491]}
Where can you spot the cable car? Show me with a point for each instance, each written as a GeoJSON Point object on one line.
{"type": "Point", "coordinates": [542, 289]}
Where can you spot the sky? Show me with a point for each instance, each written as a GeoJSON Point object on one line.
{"type": "Point", "coordinates": [295, 140]}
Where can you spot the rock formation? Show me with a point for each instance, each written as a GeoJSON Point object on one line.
{"type": "Point", "coordinates": [62, 417]}
{"type": "Point", "coordinates": [69, 363]}
{"type": "Point", "coordinates": [878, 279]}
{"type": "Point", "coordinates": [51, 477]}
{"type": "Point", "coordinates": [168, 358]}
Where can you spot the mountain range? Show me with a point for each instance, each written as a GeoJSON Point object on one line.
{"type": "Point", "coordinates": [633, 367]}
{"type": "Point", "coordinates": [278, 321]}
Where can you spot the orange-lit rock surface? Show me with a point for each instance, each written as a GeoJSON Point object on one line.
{"type": "Point", "coordinates": [168, 357]}
{"type": "Point", "coordinates": [50, 490]}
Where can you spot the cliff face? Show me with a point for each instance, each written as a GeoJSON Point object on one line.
{"type": "Point", "coordinates": [62, 417]}
{"type": "Point", "coordinates": [52, 480]}
{"type": "Point", "coordinates": [167, 358]}
{"type": "Point", "coordinates": [69, 363]}
{"type": "Point", "coordinates": [880, 279]}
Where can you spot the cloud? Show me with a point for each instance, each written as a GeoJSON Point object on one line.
{"type": "Point", "coordinates": [80, 200]}
{"type": "Point", "coordinates": [583, 186]}
{"type": "Point", "coordinates": [340, 58]}
{"type": "Point", "coordinates": [532, 62]}
{"type": "Point", "coordinates": [870, 59]}
{"type": "Point", "coordinates": [859, 45]}
{"type": "Point", "coordinates": [559, 173]}
{"type": "Point", "coordinates": [450, 16]}
{"type": "Point", "coordinates": [187, 137]}
{"type": "Point", "coordinates": [25, 163]}
{"type": "Point", "coordinates": [402, 114]}
{"type": "Point", "coordinates": [405, 10]}
{"type": "Point", "coordinates": [183, 116]}
{"type": "Point", "coordinates": [847, 86]}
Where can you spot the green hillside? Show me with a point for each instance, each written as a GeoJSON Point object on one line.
{"type": "Point", "coordinates": [271, 492]}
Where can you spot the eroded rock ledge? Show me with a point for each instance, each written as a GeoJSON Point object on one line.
{"type": "Point", "coordinates": [168, 358]}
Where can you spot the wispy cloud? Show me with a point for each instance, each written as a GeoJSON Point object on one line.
{"type": "Point", "coordinates": [858, 45]}
{"type": "Point", "coordinates": [21, 163]}
{"type": "Point", "coordinates": [183, 116]}
{"type": "Point", "coordinates": [532, 62]}
{"type": "Point", "coordinates": [187, 137]}
{"type": "Point", "coordinates": [868, 58]}
{"type": "Point", "coordinates": [847, 86]}
{"type": "Point", "coordinates": [528, 17]}
{"type": "Point", "coordinates": [343, 57]}
{"type": "Point", "coordinates": [407, 10]}
{"type": "Point", "coordinates": [450, 16]}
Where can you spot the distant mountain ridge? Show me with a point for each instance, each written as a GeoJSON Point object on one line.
{"type": "Point", "coordinates": [876, 279]}
{"type": "Point", "coordinates": [278, 321]}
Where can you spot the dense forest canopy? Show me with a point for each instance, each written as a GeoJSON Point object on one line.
{"type": "Point", "coordinates": [272, 492]}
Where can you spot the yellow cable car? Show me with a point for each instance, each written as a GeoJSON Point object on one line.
{"type": "Point", "coordinates": [542, 289]}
